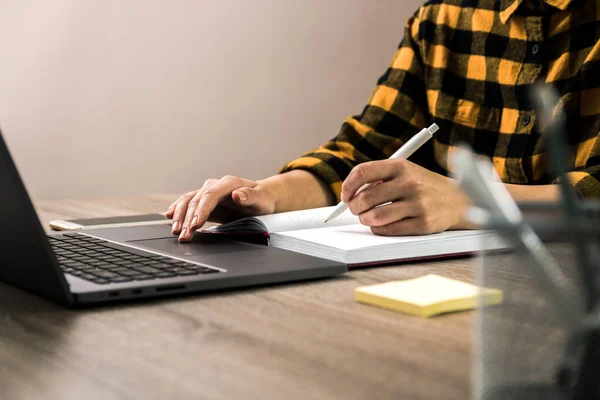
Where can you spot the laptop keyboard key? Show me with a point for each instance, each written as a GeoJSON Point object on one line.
{"type": "Point", "coordinates": [72, 234]}
{"type": "Point", "coordinates": [103, 265]}
{"type": "Point", "coordinates": [128, 272]}
{"type": "Point", "coordinates": [147, 270]}
{"type": "Point", "coordinates": [183, 271]}
{"type": "Point", "coordinates": [106, 274]}
{"type": "Point", "coordinates": [70, 263]}
{"type": "Point", "coordinates": [160, 266]}
{"type": "Point", "coordinates": [124, 262]}
{"type": "Point", "coordinates": [166, 274]}
{"type": "Point", "coordinates": [176, 262]}
{"type": "Point", "coordinates": [114, 268]}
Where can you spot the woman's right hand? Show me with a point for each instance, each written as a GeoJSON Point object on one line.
{"type": "Point", "coordinates": [219, 200]}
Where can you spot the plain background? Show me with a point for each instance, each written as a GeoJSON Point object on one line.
{"type": "Point", "coordinates": [117, 97]}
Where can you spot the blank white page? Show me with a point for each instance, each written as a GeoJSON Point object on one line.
{"type": "Point", "coordinates": [305, 219]}
{"type": "Point", "coordinates": [352, 237]}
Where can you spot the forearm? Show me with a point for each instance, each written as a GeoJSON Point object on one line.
{"type": "Point", "coordinates": [297, 190]}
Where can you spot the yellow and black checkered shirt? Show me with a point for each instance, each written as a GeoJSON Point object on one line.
{"type": "Point", "coordinates": [467, 65]}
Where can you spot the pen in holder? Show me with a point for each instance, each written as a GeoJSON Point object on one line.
{"type": "Point", "coordinates": [543, 342]}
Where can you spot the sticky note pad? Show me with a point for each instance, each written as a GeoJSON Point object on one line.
{"type": "Point", "coordinates": [427, 296]}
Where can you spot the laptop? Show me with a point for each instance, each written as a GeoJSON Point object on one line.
{"type": "Point", "coordinates": [116, 264]}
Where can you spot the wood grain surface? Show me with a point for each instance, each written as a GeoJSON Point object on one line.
{"type": "Point", "coordinates": [295, 341]}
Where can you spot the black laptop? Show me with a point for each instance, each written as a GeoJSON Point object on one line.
{"type": "Point", "coordinates": [115, 264]}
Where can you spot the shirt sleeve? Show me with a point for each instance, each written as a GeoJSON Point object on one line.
{"type": "Point", "coordinates": [585, 177]}
{"type": "Point", "coordinates": [396, 111]}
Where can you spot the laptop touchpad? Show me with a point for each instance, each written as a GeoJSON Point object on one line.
{"type": "Point", "coordinates": [202, 247]}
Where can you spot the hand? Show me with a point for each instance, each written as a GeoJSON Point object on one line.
{"type": "Point", "coordinates": [422, 202]}
{"type": "Point", "coordinates": [219, 200]}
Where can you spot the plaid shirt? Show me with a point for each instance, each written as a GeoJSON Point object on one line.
{"type": "Point", "coordinates": [467, 66]}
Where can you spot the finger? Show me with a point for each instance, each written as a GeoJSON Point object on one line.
{"type": "Point", "coordinates": [389, 213]}
{"type": "Point", "coordinates": [190, 220]}
{"type": "Point", "coordinates": [370, 172]}
{"type": "Point", "coordinates": [189, 224]}
{"type": "Point", "coordinates": [375, 195]}
{"type": "Point", "coordinates": [171, 209]}
{"type": "Point", "coordinates": [406, 227]}
{"type": "Point", "coordinates": [180, 210]}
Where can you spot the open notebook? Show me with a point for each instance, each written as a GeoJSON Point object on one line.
{"type": "Point", "coordinates": [345, 240]}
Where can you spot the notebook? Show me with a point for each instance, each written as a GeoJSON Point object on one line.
{"type": "Point", "coordinates": [345, 240]}
{"type": "Point", "coordinates": [427, 296]}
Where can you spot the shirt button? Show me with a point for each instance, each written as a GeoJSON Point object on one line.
{"type": "Point", "coordinates": [535, 49]}
{"type": "Point", "coordinates": [526, 120]}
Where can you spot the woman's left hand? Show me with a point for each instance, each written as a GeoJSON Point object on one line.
{"type": "Point", "coordinates": [422, 202]}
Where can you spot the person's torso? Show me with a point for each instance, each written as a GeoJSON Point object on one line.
{"type": "Point", "coordinates": [479, 70]}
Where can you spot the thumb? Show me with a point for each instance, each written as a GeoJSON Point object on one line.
{"type": "Point", "coordinates": [248, 197]}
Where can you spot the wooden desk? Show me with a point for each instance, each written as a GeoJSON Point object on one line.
{"type": "Point", "coordinates": [296, 341]}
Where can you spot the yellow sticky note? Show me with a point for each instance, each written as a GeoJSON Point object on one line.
{"type": "Point", "coordinates": [427, 296]}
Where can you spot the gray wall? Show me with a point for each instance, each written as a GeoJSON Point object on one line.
{"type": "Point", "coordinates": [117, 97]}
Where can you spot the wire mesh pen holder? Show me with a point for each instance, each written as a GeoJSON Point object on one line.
{"type": "Point", "coordinates": [524, 348]}
{"type": "Point", "coordinates": [543, 341]}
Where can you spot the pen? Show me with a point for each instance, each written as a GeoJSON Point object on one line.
{"type": "Point", "coordinates": [404, 151]}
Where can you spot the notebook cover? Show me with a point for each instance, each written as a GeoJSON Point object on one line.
{"type": "Point", "coordinates": [411, 259]}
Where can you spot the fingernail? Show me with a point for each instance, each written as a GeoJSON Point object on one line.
{"type": "Point", "coordinates": [175, 226]}
{"type": "Point", "coordinates": [183, 233]}
{"type": "Point", "coordinates": [194, 221]}
{"type": "Point", "coordinates": [243, 196]}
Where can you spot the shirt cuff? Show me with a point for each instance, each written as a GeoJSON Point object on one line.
{"type": "Point", "coordinates": [586, 185]}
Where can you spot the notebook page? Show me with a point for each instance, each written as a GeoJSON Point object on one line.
{"type": "Point", "coordinates": [306, 219]}
{"type": "Point", "coordinates": [352, 237]}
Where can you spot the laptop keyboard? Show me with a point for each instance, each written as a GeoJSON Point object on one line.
{"type": "Point", "coordinates": [103, 262]}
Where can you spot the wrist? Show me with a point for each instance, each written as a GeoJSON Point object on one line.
{"type": "Point", "coordinates": [272, 187]}
{"type": "Point", "coordinates": [296, 190]}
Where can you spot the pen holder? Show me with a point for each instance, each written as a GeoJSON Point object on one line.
{"type": "Point", "coordinates": [521, 343]}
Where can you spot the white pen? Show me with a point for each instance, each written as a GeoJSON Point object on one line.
{"type": "Point", "coordinates": [404, 151]}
